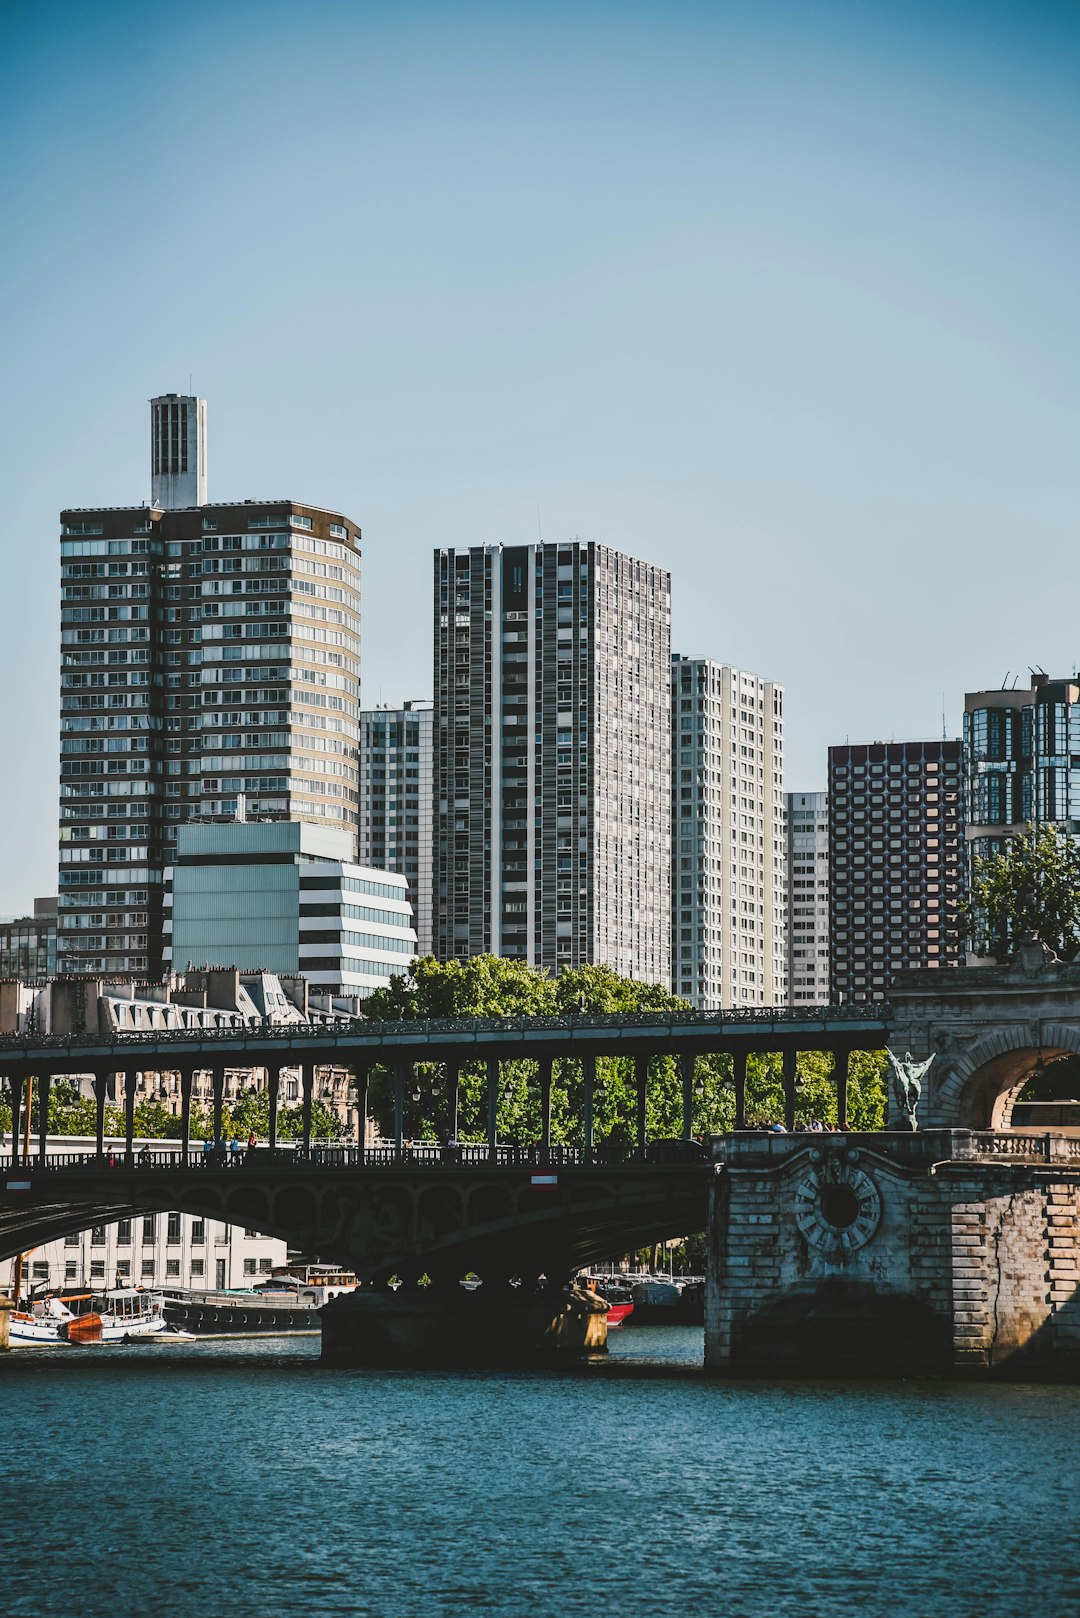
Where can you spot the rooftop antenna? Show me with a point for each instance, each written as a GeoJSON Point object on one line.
{"type": "Point", "coordinates": [539, 535]}
{"type": "Point", "coordinates": [944, 732]}
{"type": "Point", "coordinates": [1005, 681]}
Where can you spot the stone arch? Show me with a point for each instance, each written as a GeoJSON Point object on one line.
{"type": "Point", "coordinates": [983, 1084]}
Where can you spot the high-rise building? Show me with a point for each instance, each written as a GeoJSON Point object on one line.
{"type": "Point", "coordinates": [396, 801]}
{"type": "Point", "coordinates": [808, 902]}
{"type": "Point", "coordinates": [210, 661]}
{"type": "Point", "coordinates": [551, 757]}
{"type": "Point", "coordinates": [286, 897]}
{"type": "Point", "coordinates": [729, 858]}
{"type": "Point", "coordinates": [1021, 760]}
{"type": "Point", "coordinates": [896, 862]}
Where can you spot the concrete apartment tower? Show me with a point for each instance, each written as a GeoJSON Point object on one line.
{"type": "Point", "coordinates": [808, 902]}
{"type": "Point", "coordinates": [729, 856]}
{"type": "Point", "coordinates": [210, 667]}
{"type": "Point", "coordinates": [551, 757]}
{"type": "Point", "coordinates": [396, 801]}
{"type": "Point", "coordinates": [177, 451]}
{"type": "Point", "coordinates": [896, 862]}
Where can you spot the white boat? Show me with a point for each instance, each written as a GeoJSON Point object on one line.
{"type": "Point", "coordinates": [39, 1323]}
{"type": "Point", "coordinates": [114, 1316]}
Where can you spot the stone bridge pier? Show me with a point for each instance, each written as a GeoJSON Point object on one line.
{"type": "Point", "coordinates": [946, 1250]}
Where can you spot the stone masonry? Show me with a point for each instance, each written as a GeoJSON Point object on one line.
{"type": "Point", "coordinates": [885, 1253]}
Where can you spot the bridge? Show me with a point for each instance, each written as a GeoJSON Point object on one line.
{"type": "Point", "coordinates": [957, 1247]}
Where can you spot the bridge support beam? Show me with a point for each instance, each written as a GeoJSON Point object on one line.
{"type": "Point", "coordinates": [738, 1070]}
{"type": "Point", "coordinates": [130, 1077]}
{"type": "Point", "coordinates": [492, 1107]}
{"type": "Point", "coordinates": [18, 1085]}
{"type": "Point", "coordinates": [588, 1073]}
{"type": "Point", "coordinates": [273, 1084]}
{"type": "Point", "coordinates": [217, 1081]}
{"type": "Point", "coordinates": [791, 1069]}
{"type": "Point", "coordinates": [641, 1092]}
{"type": "Point", "coordinates": [101, 1090]}
{"type": "Point", "coordinates": [400, 1070]}
{"type": "Point", "coordinates": [545, 1108]}
{"type": "Point", "coordinates": [686, 1065]}
{"type": "Point", "coordinates": [307, 1084]}
{"type": "Point", "coordinates": [187, 1075]}
{"type": "Point", "coordinates": [44, 1091]}
{"type": "Point", "coordinates": [361, 1072]}
{"type": "Point", "coordinates": [841, 1064]}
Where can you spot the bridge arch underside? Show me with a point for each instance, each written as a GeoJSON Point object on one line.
{"type": "Point", "coordinates": [493, 1225]}
{"type": "Point", "coordinates": [983, 1086]}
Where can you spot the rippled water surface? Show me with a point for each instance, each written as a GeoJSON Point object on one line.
{"type": "Point", "coordinates": [233, 1479]}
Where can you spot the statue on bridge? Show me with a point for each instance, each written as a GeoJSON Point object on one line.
{"type": "Point", "coordinates": [907, 1077]}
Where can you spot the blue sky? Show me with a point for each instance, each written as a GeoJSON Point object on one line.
{"type": "Point", "coordinates": [783, 297]}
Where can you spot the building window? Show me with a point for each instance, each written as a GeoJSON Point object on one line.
{"type": "Point", "coordinates": [149, 1229]}
{"type": "Point", "coordinates": [172, 1266]}
{"type": "Point", "coordinates": [249, 1266]}
{"type": "Point", "coordinates": [173, 1232]}
{"type": "Point", "coordinates": [198, 1267]}
{"type": "Point", "coordinates": [198, 1233]}
{"type": "Point", "coordinates": [123, 1232]}
{"type": "Point", "coordinates": [97, 1269]}
{"type": "Point", "coordinates": [147, 1267]}
{"type": "Point", "coordinates": [97, 1236]}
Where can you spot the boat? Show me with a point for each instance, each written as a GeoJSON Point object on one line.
{"type": "Point", "coordinates": [662, 1300]}
{"type": "Point", "coordinates": [38, 1323]}
{"type": "Point", "coordinates": [287, 1303]}
{"type": "Point", "coordinates": [118, 1315]}
{"type": "Point", "coordinates": [618, 1297]}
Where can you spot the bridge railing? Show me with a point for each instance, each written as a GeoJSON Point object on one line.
{"type": "Point", "coordinates": [1038, 1148]}
{"type": "Point", "coordinates": [415, 1154]}
{"type": "Point", "coordinates": [875, 1011]}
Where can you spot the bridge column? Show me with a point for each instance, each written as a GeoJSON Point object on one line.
{"type": "Point", "coordinates": [187, 1075]}
{"type": "Point", "coordinates": [545, 1109]}
{"type": "Point", "coordinates": [44, 1091]}
{"type": "Point", "coordinates": [361, 1071]}
{"type": "Point", "coordinates": [273, 1084]}
{"type": "Point", "coordinates": [492, 1106]}
{"type": "Point", "coordinates": [588, 1073]}
{"type": "Point", "coordinates": [791, 1058]}
{"type": "Point", "coordinates": [400, 1070]}
{"type": "Point", "coordinates": [641, 1090]}
{"type": "Point", "coordinates": [738, 1068]}
{"type": "Point", "coordinates": [307, 1083]}
{"type": "Point", "coordinates": [101, 1090]}
{"type": "Point", "coordinates": [686, 1064]}
{"type": "Point", "coordinates": [130, 1076]}
{"type": "Point", "coordinates": [217, 1081]}
{"type": "Point", "coordinates": [841, 1062]}
{"type": "Point", "coordinates": [16, 1082]}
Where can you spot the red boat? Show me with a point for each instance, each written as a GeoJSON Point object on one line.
{"type": "Point", "coordinates": [619, 1298]}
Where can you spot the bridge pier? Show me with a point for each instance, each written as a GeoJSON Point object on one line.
{"type": "Point", "coordinates": [445, 1324]}
{"type": "Point", "coordinates": [891, 1253]}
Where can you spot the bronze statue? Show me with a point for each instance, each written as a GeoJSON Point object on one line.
{"type": "Point", "coordinates": [907, 1077]}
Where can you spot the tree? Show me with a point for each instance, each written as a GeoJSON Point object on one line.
{"type": "Point", "coordinates": [1030, 888]}
{"type": "Point", "coordinates": [488, 986]}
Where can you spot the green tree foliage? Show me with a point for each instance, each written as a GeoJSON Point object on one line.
{"type": "Point", "coordinates": [492, 987]}
{"type": "Point", "coordinates": [1032, 887]}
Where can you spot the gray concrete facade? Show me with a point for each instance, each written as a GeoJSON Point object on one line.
{"type": "Point", "coordinates": [551, 757]}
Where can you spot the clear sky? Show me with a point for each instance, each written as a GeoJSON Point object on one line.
{"type": "Point", "coordinates": [781, 296]}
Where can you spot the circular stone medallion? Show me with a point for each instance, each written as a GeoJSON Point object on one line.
{"type": "Point", "coordinates": [837, 1208]}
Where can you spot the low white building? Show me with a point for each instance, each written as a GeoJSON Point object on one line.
{"type": "Point", "coordinates": [149, 1250]}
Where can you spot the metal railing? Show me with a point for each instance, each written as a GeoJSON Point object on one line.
{"type": "Point", "coordinates": [412, 1154]}
{"type": "Point", "coordinates": [433, 1027]}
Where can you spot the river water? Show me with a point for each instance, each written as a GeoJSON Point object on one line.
{"type": "Point", "coordinates": [233, 1479]}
